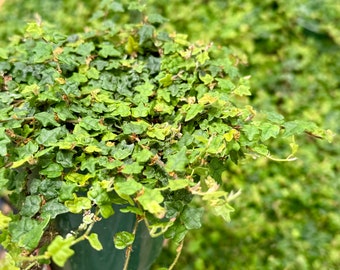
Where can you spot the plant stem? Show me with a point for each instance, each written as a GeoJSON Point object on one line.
{"type": "Point", "coordinates": [129, 248]}
{"type": "Point", "coordinates": [179, 251]}
{"type": "Point", "coordinates": [30, 266]}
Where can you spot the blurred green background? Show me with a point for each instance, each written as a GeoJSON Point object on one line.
{"type": "Point", "coordinates": [288, 214]}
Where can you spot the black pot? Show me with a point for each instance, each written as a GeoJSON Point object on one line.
{"type": "Point", "coordinates": [145, 249]}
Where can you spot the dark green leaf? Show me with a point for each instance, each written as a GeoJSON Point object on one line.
{"type": "Point", "coordinates": [31, 205]}
{"type": "Point", "coordinates": [46, 118]}
{"type": "Point", "coordinates": [53, 208]}
{"type": "Point", "coordinates": [48, 137]}
{"type": "Point", "coordinates": [145, 33]}
{"type": "Point", "coordinates": [216, 168]}
{"type": "Point", "coordinates": [123, 150]}
{"type": "Point", "coordinates": [191, 217]}
{"type": "Point", "coordinates": [90, 123]}
{"type": "Point", "coordinates": [27, 232]}
{"type": "Point", "coordinates": [65, 159]}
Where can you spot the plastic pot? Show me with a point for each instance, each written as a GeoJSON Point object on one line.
{"type": "Point", "coordinates": [145, 249]}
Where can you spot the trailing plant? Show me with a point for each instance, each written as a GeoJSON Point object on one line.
{"type": "Point", "coordinates": [120, 114]}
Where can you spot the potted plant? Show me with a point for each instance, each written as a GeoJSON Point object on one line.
{"type": "Point", "coordinates": [122, 119]}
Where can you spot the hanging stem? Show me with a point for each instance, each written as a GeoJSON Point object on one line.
{"type": "Point", "coordinates": [179, 251]}
{"type": "Point", "coordinates": [129, 248]}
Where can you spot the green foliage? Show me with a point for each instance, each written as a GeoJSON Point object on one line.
{"type": "Point", "coordinates": [126, 113]}
{"type": "Point", "coordinates": [123, 239]}
{"type": "Point", "coordinates": [290, 49]}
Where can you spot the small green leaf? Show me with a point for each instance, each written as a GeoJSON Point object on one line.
{"type": "Point", "coordinates": [194, 109]}
{"type": "Point", "coordinates": [98, 194]}
{"type": "Point", "coordinates": [20, 162]}
{"type": "Point", "coordinates": [296, 127]}
{"type": "Point", "coordinates": [135, 127]}
{"type": "Point", "coordinates": [78, 204]}
{"type": "Point", "coordinates": [261, 149]}
{"type": "Point", "coordinates": [34, 30]}
{"type": "Point", "coordinates": [65, 159]}
{"type": "Point", "coordinates": [229, 136]}
{"type": "Point", "coordinates": [94, 241]}
{"type": "Point", "coordinates": [140, 111]}
{"type": "Point", "coordinates": [123, 239]}
{"type": "Point", "coordinates": [109, 136]}
{"type": "Point", "coordinates": [177, 232]}
{"type": "Point", "coordinates": [223, 209]}
{"type": "Point", "coordinates": [269, 130]}
{"type": "Point", "coordinates": [66, 191]}
{"type": "Point", "coordinates": [242, 90]}
{"type": "Point", "coordinates": [166, 80]}
{"type": "Point", "coordinates": [4, 221]}
{"type": "Point", "coordinates": [107, 50]}
{"type": "Point", "coordinates": [159, 131]}
{"type": "Point", "coordinates": [27, 232]}
{"type": "Point", "coordinates": [77, 178]}
{"type": "Point", "coordinates": [206, 78]}
{"type": "Point", "coordinates": [191, 217]}
{"type": "Point", "coordinates": [60, 250]}
{"type": "Point", "coordinates": [216, 168]}
{"type": "Point", "coordinates": [122, 150]}
{"type": "Point", "coordinates": [89, 163]}
{"type": "Point", "coordinates": [142, 156]}
{"type": "Point", "coordinates": [90, 123]}
{"type": "Point", "coordinates": [106, 210]}
{"type": "Point", "coordinates": [156, 18]}
{"type": "Point", "coordinates": [133, 168]}
{"type": "Point", "coordinates": [31, 206]}
{"type": "Point", "coordinates": [42, 52]}
{"type": "Point", "coordinates": [203, 57]}
{"type": "Point", "coordinates": [4, 140]}
{"type": "Point", "coordinates": [131, 46]}
{"type": "Point", "coordinates": [85, 49]}
{"type": "Point", "coordinates": [120, 109]}
{"type": "Point", "coordinates": [52, 171]}
{"type": "Point", "coordinates": [92, 148]}
{"type": "Point", "coordinates": [179, 184]}
{"type": "Point", "coordinates": [128, 187]}
{"type": "Point", "coordinates": [78, 78]}
{"type": "Point", "coordinates": [53, 208]}
{"type": "Point", "coordinates": [275, 117]}
{"type": "Point", "coordinates": [28, 149]}
{"type": "Point", "coordinates": [145, 33]}
{"type": "Point", "coordinates": [92, 73]}
{"type": "Point", "coordinates": [178, 161]}
{"type": "Point", "coordinates": [151, 200]}
{"type": "Point", "coordinates": [48, 137]}
{"type": "Point", "coordinates": [145, 89]}
{"type": "Point", "coordinates": [251, 131]}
